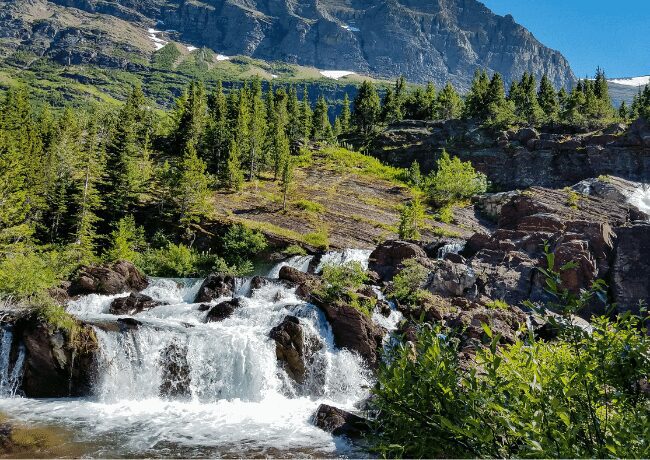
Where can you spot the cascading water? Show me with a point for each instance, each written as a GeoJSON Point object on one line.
{"type": "Point", "coordinates": [178, 386]}
{"type": "Point", "coordinates": [641, 198]}
{"type": "Point", "coordinates": [343, 257]}
{"type": "Point", "coordinates": [10, 372]}
{"type": "Point", "coordinates": [451, 248]}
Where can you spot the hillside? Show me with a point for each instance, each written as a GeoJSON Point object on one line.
{"type": "Point", "coordinates": [435, 41]}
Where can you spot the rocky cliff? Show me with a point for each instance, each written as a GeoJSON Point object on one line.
{"type": "Point", "coordinates": [436, 40]}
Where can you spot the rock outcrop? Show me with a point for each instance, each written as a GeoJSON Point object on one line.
{"type": "Point", "coordinates": [340, 422]}
{"type": "Point", "coordinates": [109, 279]}
{"type": "Point", "coordinates": [631, 267]}
{"type": "Point", "coordinates": [222, 311]}
{"type": "Point", "coordinates": [386, 259]}
{"type": "Point", "coordinates": [132, 304]}
{"type": "Point", "coordinates": [215, 286]}
{"type": "Point", "coordinates": [289, 347]}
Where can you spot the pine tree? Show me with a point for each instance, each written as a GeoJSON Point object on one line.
{"type": "Point", "coordinates": [391, 111]}
{"type": "Point", "coordinates": [548, 99]}
{"type": "Point", "coordinates": [217, 131]}
{"type": "Point", "coordinates": [277, 140]}
{"type": "Point", "coordinates": [346, 116]}
{"type": "Point", "coordinates": [623, 112]}
{"type": "Point", "coordinates": [500, 111]}
{"type": "Point", "coordinates": [322, 127]}
{"type": "Point", "coordinates": [476, 100]}
{"type": "Point", "coordinates": [524, 96]}
{"type": "Point", "coordinates": [232, 175]}
{"type": "Point", "coordinates": [411, 220]}
{"type": "Point", "coordinates": [191, 191]}
{"type": "Point", "coordinates": [449, 105]}
{"type": "Point", "coordinates": [257, 129]}
{"type": "Point", "coordinates": [366, 109]}
{"type": "Point", "coordinates": [191, 118]}
{"type": "Point", "coordinates": [306, 115]}
{"type": "Point", "coordinates": [414, 174]}
{"type": "Point", "coordinates": [294, 130]}
{"type": "Point", "coordinates": [430, 102]}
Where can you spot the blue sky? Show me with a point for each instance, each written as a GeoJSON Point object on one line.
{"type": "Point", "coordinates": [613, 34]}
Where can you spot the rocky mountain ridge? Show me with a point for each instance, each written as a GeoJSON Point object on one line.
{"type": "Point", "coordinates": [436, 40]}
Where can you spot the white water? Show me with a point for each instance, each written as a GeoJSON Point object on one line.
{"type": "Point", "coordinates": [298, 262]}
{"type": "Point", "coordinates": [10, 373]}
{"type": "Point", "coordinates": [238, 400]}
{"type": "Point", "coordinates": [641, 198]}
{"type": "Point", "coordinates": [343, 257]}
{"type": "Point", "coordinates": [452, 248]}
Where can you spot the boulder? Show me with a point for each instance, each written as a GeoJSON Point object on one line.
{"type": "Point", "coordinates": [453, 279]}
{"type": "Point", "coordinates": [631, 267]}
{"type": "Point", "coordinates": [306, 283]}
{"type": "Point", "coordinates": [353, 329]}
{"type": "Point", "coordinates": [57, 363]}
{"type": "Point", "coordinates": [214, 287]}
{"type": "Point", "coordinates": [110, 279]}
{"type": "Point", "coordinates": [289, 347]}
{"type": "Point", "coordinates": [340, 422]}
{"type": "Point", "coordinates": [132, 304]}
{"type": "Point", "coordinates": [222, 311]}
{"type": "Point", "coordinates": [387, 257]}
{"type": "Point", "coordinates": [525, 135]}
{"type": "Point", "coordinates": [175, 379]}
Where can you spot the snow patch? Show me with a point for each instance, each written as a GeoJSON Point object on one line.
{"type": "Point", "coordinates": [634, 81]}
{"type": "Point", "coordinates": [158, 42]}
{"type": "Point", "coordinates": [191, 48]}
{"type": "Point", "coordinates": [336, 74]}
{"type": "Point", "coordinates": [221, 57]}
{"type": "Point", "coordinates": [274, 76]}
{"type": "Point", "coordinates": [351, 28]}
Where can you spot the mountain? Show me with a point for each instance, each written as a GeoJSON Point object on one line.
{"type": "Point", "coordinates": [624, 89]}
{"type": "Point", "coordinates": [425, 40]}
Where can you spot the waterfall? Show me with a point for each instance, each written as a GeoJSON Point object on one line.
{"type": "Point", "coordinates": [343, 257]}
{"type": "Point", "coordinates": [298, 262]}
{"type": "Point", "coordinates": [451, 248]}
{"type": "Point", "coordinates": [178, 385]}
{"type": "Point", "coordinates": [10, 373]}
{"type": "Point", "coordinates": [641, 198]}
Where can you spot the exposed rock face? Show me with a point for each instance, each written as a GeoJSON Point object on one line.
{"type": "Point", "coordinates": [386, 259]}
{"type": "Point", "coordinates": [339, 422]}
{"type": "Point", "coordinates": [214, 287]}
{"type": "Point", "coordinates": [352, 329]}
{"type": "Point", "coordinates": [289, 347]}
{"type": "Point", "coordinates": [222, 311]}
{"type": "Point", "coordinates": [305, 282]}
{"type": "Point", "coordinates": [133, 304]}
{"type": "Point", "coordinates": [175, 378]}
{"type": "Point", "coordinates": [57, 365]}
{"type": "Point", "coordinates": [554, 160]}
{"type": "Point", "coordinates": [112, 279]}
{"type": "Point", "coordinates": [631, 268]}
{"type": "Point", "coordinates": [434, 40]}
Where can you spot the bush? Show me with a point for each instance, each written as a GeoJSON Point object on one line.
{"type": "Point", "coordinates": [407, 284]}
{"type": "Point", "coordinates": [454, 181]}
{"type": "Point", "coordinates": [340, 279]}
{"type": "Point", "coordinates": [411, 220]}
{"type": "Point", "coordinates": [294, 250]}
{"type": "Point", "coordinates": [310, 206]}
{"type": "Point", "coordinates": [25, 275]}
{"type": "Point", "coordinates": [127, 241]}
{"type": "Point", "coordinates": [319, 239]}
{"type": "Point", "coordinates": [580, 396]}
{"type": "Point", "coordinates": [240, 244]}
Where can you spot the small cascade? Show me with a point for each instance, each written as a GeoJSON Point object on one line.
{"type": "Point", "coordinates": [298, 262]}
{"type": "Point", "coordinates": [10, 372]}
{"type": "Point", "coordinates": [343, 257]}
{"type": "Point", "coordinates": [390, 322]}
{"type": "Point", "coordinates": [641, 198]}
{"type": "Point", "coordinates": [451, 248]}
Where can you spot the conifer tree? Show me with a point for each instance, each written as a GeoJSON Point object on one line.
{"type": "Point", "coordinates": [524, 97]}
{"type": "Point", "coordinates": [191, 191]}
{"type": "Point", "coordinates": [306, 115]}
{"type": "Point", "coordinates": [294, 130]}
{"type": "Point", "coordinates": [346, 116]}
{"type": "Point", "coordinates": [366, 108]}
{"type": "Point", "coordinates": [322, 127]}
{"type": "Point", "coordinates": [277, 140]}
{"type": "Point", "coordinates": [623, 112]}
{"type": "Point", "coordinates": [411, 220]}
{"type": "Point", "coordinates": [476, 100]}
{"type": "Point", "coordinates": [548, 99]}
{"type": "Point", "coordinates": [257, 130]}
{"type": "Point", "coordinates": [191, 118]}
{"type": "Point", "coordinates": [430, 101]}
{"type": "Point", "coordinates": [287, 179]}
{"type": "Point", "coordinates": [217, 131]}
{"type": "Point", "coordinates": [391, 110]}
{"type": "Point", "coordinates": [449, 104]}
{"type": "Point", "coordinates": [232, 175]}
{"type": "Point", "coordinates": [500, 111]}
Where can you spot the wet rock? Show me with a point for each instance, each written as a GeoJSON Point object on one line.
{"type": "Point", "coordinates": [111, 279]}
{"type": "Point", "coordinates": [132, 305]}
{"type": "Point", "coordinates": [289, 347]}
{"type": "Point", "coordinates": [340, 422]}
{"type": "Point", "coordinates": [222, 311]}
{"type": "Point", "coordinates": [259, 282]}
{"type": "Point", "coordinates": [214, 287]}
{"type": "Point", "coordinates": [387, 257]}
{"type": "Point", "coordinates": [128, 324]}
{"type": "Point", "coordinates": [204, 307]}
{"type": "Point", "coordinates": [352, 329]}
{"type": "Point", "coordinates": [306, 283]}
{"type": "Point", "coordinates": [175, 377]}
{"type": "Point", "coordinates": [631, 267]}
{"type": "Point", "coordinates": [453, 279]}
{"type": "Point", "coordinates": [58, 363]}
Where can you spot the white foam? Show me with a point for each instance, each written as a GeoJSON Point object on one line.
{"type": "Point", "coordinates": [641, 198]}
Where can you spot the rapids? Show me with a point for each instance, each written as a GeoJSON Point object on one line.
{"type": "Point", "coordinates": [238, 402]}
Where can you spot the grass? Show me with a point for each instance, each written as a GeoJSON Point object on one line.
{"type": "Point", "coordinates": [363, 165]}
{"type": "Point", "coordinates": [318, 239]}
{"type": "Point", "coordinates": [309, 206]}
{"type": "Point", "coordinates": [294, 250]}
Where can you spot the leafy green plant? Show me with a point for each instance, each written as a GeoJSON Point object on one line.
{"type": "Point", "coordinates": [241, 244]}
{"type": "Point", "coordinates": [318, 239]}
{"type": "Point", "coordinates": [339, 279]}
{"type": "Point", "coordinates": [407, 284]}
{"type": "Point", "coordinates": [294, 250]}
{"type": "Point", "coordinates": [127, 241]}
{"type": "Point", "coordinates": [454, 181]}
{"type": "Point", "coordinates": [27, 274]}
{"type": "Point", "coordinates": [497, 305]}
{"type": "Point", "coordinates": [310, 206]}
{"type": "Point", "coordinates": [182, 262]}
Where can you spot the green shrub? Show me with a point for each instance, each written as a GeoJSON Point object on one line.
{"type": "Point", "coordinates": [240, 244]}
{"type": "Point", "coordinates": [24, 275]}
{"type": "Point", "coordinates": [319, 239]}
{"type": "Point", "coordinates": [180, 261]}
{"type": "Point", "coordinates": [310, 206]}
{"type": "Point", "coordinates": [411, 220]}
{"type": "Point", "coordinates": [454, 181]}
{"type": "Point", "coordinates": [446, 214]}
{"type": "Point", "coordinates": [340, 279]}
{"type": "Point", "coordinates": [294, 250]}
{"type": "Point", "coordinates": [497, 305]}
{"type": "Point", "coordinates": [407, 284]}
{"type": "Point", "coordinates": [127, 241]}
